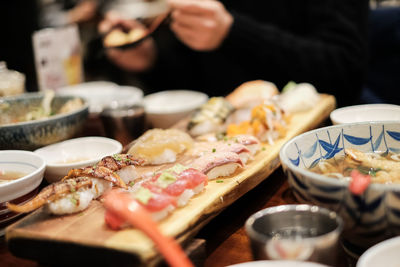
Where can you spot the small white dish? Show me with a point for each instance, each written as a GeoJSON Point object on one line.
{"type": "Point", "coordinates": [278, 263]}
{"type": "Point", "coordinates": [385, 254]}
{"type": "Point", "coordinates": [364, 113]}
{"type": "Point", "coordinates": [21, 189]}
{"type": "Point", "coordinates": [75, 153]}
{"type": "Point", "coordinates": [165, 108]}
{"type": "Point", "coordinates": [102, 94]}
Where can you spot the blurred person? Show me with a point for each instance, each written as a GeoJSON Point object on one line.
{"type": "Point", "coordinates": [214, 46]}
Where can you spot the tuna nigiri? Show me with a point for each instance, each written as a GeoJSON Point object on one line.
{"type": "Point", "coordinates": [179, 181]}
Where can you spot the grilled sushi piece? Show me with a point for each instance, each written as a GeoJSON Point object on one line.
{"type": "Point", "coordinates": [179, 181]}
{"type": "Point", "coordinates": [158, 146]}
{"type": "Point", "coordinates": [218, 164]}
{"type": "Point", "coordinates": [118, 169]}
{"type": "Point", "coordinates": [76, 190]}
{"type": "Point", "coordinates": [210, 117]}
{"type": "Point", "coordinates": [71, 190]}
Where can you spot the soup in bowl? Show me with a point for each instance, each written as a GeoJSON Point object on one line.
{"type": "Point", "coordinates": [21, 173]}
{"type": "Point", "coordinates": [318, 164]}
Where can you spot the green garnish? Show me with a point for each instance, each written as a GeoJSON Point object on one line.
{"type": "Point", "coordinates": [368, 171]}
{"type": "Point", "coordinates": [263, 148]}
{"type": "Point", "coordinates": [289, 86]}
{"type": "Point", "coordinates": [363, 169]}
{"type": "Point", "coordinates": [225, 138]}
{"type": "Point", "coordinates": [117, 157]}
{"type": "Point", "coordinates": [165, 179]}
{"type": "Point", "coordinates": [127, 160]}
{"type": "Point", "coordinates": [131, 183]}
{"type": "Point", "coordinates": [178, 168]}
{"type": "Point", "coordinates": [219, 181]}
{"type": "Point", "coordinates": [74, 201]}
{"type": "Point", "coordinates": [213, 150]}
{"type": "Point", "coordinates": [143, 195]}
{"type": "Point", "coordinates": [373, 171]}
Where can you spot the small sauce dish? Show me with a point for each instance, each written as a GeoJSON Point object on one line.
{"type": "Point", "coordinates": [75, 153]}
{"type": "Point", "coordinates": [30, 168]}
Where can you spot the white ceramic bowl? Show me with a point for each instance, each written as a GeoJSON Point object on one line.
{"type": "Point", "coordinates": [102, 94]}
{"type": "Point", "coordinates": [364, 113]}
{"type": "Point", "coordinates": [21, 189]}
{"type": "Point", "coordinates": [369, 218]}
{"type": "Point", "coordinates": [163, 109]}
{"type": "Point", "coordinates": [384, 254]}
{"type": "Point", "coordinates": [75, 153]}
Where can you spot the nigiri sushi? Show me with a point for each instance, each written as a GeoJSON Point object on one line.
{"type": "Point", "coordinates": [218, 164]}
{"type": "Point", "coordinates": [268, 122]}
{"type": "Point", "coordinates": [158, 146]}
{"type": "Point", "coordinates": [179, 181]}
{"type": "Point", "coordinates": [252, 93]}
{"type": "Point", "coordinates": [202, 148]}
{"type": "Point", "coordinates": [251, 142]}
{"type": "Point", "coordinates": [157, 203]}
{"type": "Point", "coordinates": [77, 189]}
{"type": "Point", "coordinates": [210, 117]}
{"type": "Point", "coordinates": [119, 169]}
{"type": "Point", "coordinates": [67, 196]}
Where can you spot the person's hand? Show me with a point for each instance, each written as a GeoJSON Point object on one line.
{"type": "Point", "coordinates": [200, 24]}
{"type": "Point", "coordinates": [137, 59]}
{"type": "Point", "coordinates": [83, 11]}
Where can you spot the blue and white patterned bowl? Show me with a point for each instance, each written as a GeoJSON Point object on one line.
{"type": "Point", "coordinates": [369, 218]}
{"type": "Point", "coordinates": [30, 135]}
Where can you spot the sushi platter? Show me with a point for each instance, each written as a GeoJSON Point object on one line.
{"type": "Point", "coordinates": [53, 239]}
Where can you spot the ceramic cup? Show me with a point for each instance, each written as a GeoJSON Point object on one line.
{"type": "Point", "coordinates": [295, 232]}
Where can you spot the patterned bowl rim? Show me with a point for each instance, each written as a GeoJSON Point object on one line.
{"type": "Point", "coordinates": [321, 178]}
{"type": "Point", "coordinates": [85, 107]}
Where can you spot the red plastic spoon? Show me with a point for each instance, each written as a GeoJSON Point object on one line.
{"type": "Point", "coordinates": [122, 208]}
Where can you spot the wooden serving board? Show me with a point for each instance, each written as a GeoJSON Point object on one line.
{"type": "Point", "coordinates": [84, 238]}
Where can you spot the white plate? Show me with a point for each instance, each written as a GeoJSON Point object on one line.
{"type": "Point", "coordinates": [102, 94]}
{"type": "Point", "coordinates": [363, 113]}
{"type": "Point", "coordinates": [75, 153]}
{"type": "Point", "coordinates": [384, 254]}
{"type": "Point", "coordinates": [280, 263]}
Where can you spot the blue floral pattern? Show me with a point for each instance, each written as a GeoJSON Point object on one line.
{"type": "Point", "coordinates": [369, 218]}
